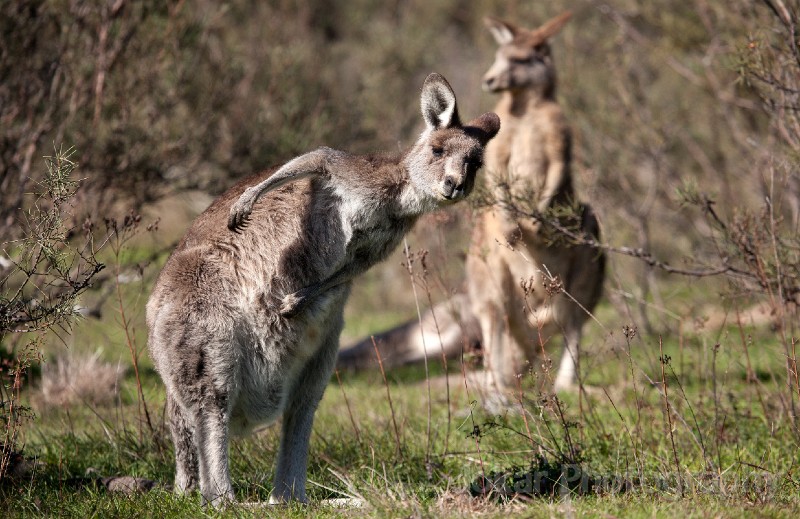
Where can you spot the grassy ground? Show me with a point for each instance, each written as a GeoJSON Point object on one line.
{"type": "Point", "coordinates": [417, 445]}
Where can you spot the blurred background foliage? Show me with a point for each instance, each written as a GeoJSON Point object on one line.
{"type": "Point", "coordinates": [670, 101]}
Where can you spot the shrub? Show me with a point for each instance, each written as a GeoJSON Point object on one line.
{"type": "Point", "coordinates": [44, 272]}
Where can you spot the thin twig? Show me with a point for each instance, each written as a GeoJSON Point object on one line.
{"type": "Point", "coordinates": [130, 341]}
{"type": "Point", "coordinates": [410, 269]}
{"type": "Point", "coordinates": [347, 404]}
{"type": "Point", "coordinates": [441, 349]}
{"type": "Point", "coordinates": [668, 411]}
{"type": "Point", "coordinates": [389, 397]}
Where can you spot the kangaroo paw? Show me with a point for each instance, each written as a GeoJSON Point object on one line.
{"type": "Point", "coordinates": [241, 209]}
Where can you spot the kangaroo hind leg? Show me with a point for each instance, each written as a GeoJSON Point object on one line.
{"type": "Point", "coordinates": [212, 448]}
{"type": "Point", "coordinates": [298, 418]}
{"type": "Point", "coordinates": [186, 468]}
{"type": "Point", "coordinates": [568, 368]}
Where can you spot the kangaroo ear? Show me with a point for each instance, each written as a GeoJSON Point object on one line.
{"type": "Point", "coordinates": [484, 128]}
{"type": "Point", "coordinates": [438, 103]}
{"type": "Point", "coordinates": [503, 32]}
{"type": "Point", "coordinates": [549, 28]}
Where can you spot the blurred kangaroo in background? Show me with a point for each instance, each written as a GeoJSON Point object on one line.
{"type": "Point", "coordinates": [244, 319]}
{"type": "Point", "coordinates": [531, 155]}
{"type": "Point", "coordinates": [528, 165]}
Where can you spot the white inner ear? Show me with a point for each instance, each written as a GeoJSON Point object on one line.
{"type": "Point", "coordinates": [446, 116]}
{"type": "Point", "coordinates": [438, 105]}
{"type": "Point", "coordinates": [501, 34]}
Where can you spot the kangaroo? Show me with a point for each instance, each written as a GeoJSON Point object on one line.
{"type": "Point", "coordinates": [531, 154]}
{"type": "Point", "coordinates": [244, 319]}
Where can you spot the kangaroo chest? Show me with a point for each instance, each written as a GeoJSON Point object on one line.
{"type": "Point", "coordinates": [517, 155]}
{"type": "Point", "coordinates": [372, 233]}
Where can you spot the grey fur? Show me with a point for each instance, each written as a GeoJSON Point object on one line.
{"type": "Point", "coordinates": [244, 326]}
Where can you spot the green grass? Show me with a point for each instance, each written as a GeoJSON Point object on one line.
{"type": "Point", "coordinates": [735, 444]}
{"type": "Point", "coordinates": [732, 426]}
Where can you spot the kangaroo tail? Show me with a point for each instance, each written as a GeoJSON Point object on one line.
{"type": "Point", "coordinates": [448, 327]}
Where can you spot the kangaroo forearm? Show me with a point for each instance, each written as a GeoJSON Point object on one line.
{"type": "Point", "coordinates": [338, 278]}
{"type": "Point", "coordinates": [312, 163]}
{"type": "Point", "coordinates": [555, 181]}
{"type": "Point", "coordinates": [343, 275]}
{"type": "Point", "coordinates": [294, 302]}
{"type": "Point", "coordinates": [309, 164]}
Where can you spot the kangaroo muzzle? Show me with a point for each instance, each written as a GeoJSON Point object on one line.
{"type": "Point", "coordinates": [490, 84]}
{"type": "Point", "coordinates": [458, 186]}
{"type": "Point", "coordinates": [453, 187]}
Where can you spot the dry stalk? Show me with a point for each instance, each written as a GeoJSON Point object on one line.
{"type": "Point", "coordinates": [630, 332]}
{"type": "Point", "coordinates": [699, 437]}
{"type": "Point", "coordinates": [129, 338]}
{"type": "Point", "coordinates": [524, 412]}
{"type": "Point", "coordinates": [751, 375]}
{"type": "Point", "coordinates": [472, 420]}
{"type": "Point", "coordinates": [441, 349]}
{"type": "Point", "coordinates": [410, 268]}
{"type": "Point", "coordinates": [793, 365]}
{"type": "Point", "coordinates": [389, 397]}
{"type": "Point", "coordinates": [349, 409]}
{"type": "Point", "coordinates": [634, 446]}
{"type": "Point", "coordinates": [668, 411]}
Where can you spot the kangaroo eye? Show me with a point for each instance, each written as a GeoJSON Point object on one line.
{"type": "Point", "coordinates": [437, 151]}
{"type": "Point", "coordinates": [474, 163]}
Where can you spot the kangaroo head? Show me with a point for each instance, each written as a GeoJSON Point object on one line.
{"type": "Point", "coordinates": [443, 162]}
{"type": "Point", "coordinates": [523, 60]}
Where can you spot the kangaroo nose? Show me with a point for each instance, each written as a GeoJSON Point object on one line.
{"type": "Point", "coordinates": [488, 83]}
{"type": "Point", "coordinates": [453, 187]}
{"type": "Point", "coordinates": [449, 187]}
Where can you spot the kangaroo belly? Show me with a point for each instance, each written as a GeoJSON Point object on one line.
{"type": "Point", "coordinates": [272, 366]}
{"type": "Point", "coordinates": [496, 275]}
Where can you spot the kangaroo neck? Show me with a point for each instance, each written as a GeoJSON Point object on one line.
{"type": "Point", "coordinates": [413, 200]}
{"type": "Point", "coordinates": [522, 101]}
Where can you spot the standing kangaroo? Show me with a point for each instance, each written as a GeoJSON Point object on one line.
{"type": "Point", "coordinates": [531, 155]}
{"type": "Point", "coordinates": [244, 321]}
